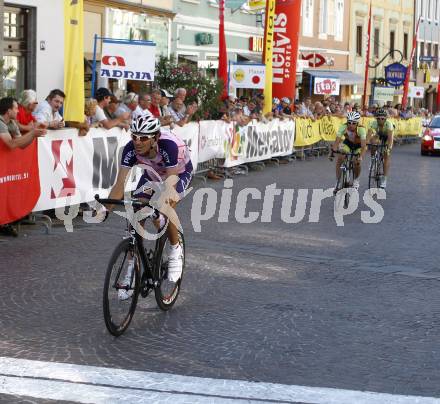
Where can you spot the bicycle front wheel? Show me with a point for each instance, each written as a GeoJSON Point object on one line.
{"type": "Point", "coordinates": [121, 288]}
{"type": "Point", "coordinates": [373, 179]}
{"type": "Point", "coordinates": [166, 292]}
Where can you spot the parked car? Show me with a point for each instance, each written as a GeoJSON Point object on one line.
{"type": "Point", "coordinates": [431, 137]}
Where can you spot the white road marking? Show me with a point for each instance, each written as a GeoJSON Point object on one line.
{"type": "Point", "coordinates": [91, 384]}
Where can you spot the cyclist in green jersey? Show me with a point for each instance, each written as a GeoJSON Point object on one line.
{"type": "Point", "coordinates": [382, 130]}
{"type": "Point", "coordinates": [351, 138]}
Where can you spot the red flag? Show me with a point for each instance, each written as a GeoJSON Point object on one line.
{"type": "Point", "coordinates": [285, 47]}
{"type": "Point", "coordinates": [223, 55]}
{"type": "Point", "coordinates": [367, 62]}
{"type": "Point", "coordinates": [19, 181]}
{"type": "Point", "coordinates": [408, 71]}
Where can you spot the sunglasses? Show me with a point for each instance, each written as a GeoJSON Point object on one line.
{"type": "Point", "coordinates": [381, 119]}
{"type": "Point", "coordinates": [142, 139]}
{"type": "Point", "coordinates": [352, 123]}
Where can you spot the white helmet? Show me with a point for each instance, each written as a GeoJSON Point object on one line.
{"type": "Point", "coordinates": [145, 126]}
{"type": "Point", "coordinates": [286, 100]}
{"type": "Point", "coordinates": [353, 117]}
{"type": "Point", "coordinates": [276, 101]}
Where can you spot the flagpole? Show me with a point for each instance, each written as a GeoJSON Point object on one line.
{"type": "Point", "coordinates": [408, 71]}
{"type": "Point", "coordinates": [367, 62]}
{"type": "Point", "coordinates": [268, 54]}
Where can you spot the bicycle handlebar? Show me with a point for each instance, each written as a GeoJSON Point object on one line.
{"type": "Point", "coordinates": [135, 203]}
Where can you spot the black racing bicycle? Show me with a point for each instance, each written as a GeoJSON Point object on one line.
{"type": "Point", "coordinates": [346, 177]}
{"type": "Point", "coordinates": [133, 270]}
{"type": "Point", "coordinates": [377, 164]}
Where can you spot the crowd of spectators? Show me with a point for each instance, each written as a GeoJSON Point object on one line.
{"type": "Point", "coordinates": [244, 109]}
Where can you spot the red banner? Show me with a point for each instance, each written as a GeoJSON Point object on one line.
{"type": "Point", "coordinates": [19, 181]}
{"type": "Point", "coordinates": [222, 50]}
{"type": "Point", "coordinates": [285, 49]}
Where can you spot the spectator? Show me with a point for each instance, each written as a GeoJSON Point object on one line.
{"type": "Point", "coordinates": [164, 102]}
{"type": "Point", "coordinates": [143, 107]}
{"type": "Point", "coordinates": [90, 111]}
{"type": "Point", "coordinates": [155, 109]}
{"type": "Point", "coordinates": [111, 108]}
{"type": "Point", "coordinates": [285, 105]}
{"type": "Point", "coordinates": [175, 110]}
{"type": "Point", "coordinates": [319, 110]}
{"type": "Point", "coordinates": [25, 120]}
{"type": "Point", "coordinates": [251, 110]}
{"type": "Point", "coordinates": [47, 111]}
{"type": "Point", "coordinates": [276, 107]}
{"type": "Point", "coordinates": [129, 104]}
{"type": "Point", "coordinates": [103, 96]}
{"type": "Point", "coordinates": [9, 132]}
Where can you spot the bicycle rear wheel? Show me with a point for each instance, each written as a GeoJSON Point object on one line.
{"type": "Point", "coordinates": [121, 288]}
{"type": "Point", "coordinates": [166, 292]}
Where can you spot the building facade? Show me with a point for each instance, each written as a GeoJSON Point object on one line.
{"type": "Point", "coordinates": [33, 44]}
{"type": "Point", "coordinates": [324, 47]}
{"type": "Point", "coordinates": [426, 64]}
{"type": "Point", "coordinates": [195, 33]}
{"type": "Point", "coordinates": [392, 28]}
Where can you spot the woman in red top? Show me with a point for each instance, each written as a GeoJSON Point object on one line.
{"type": "Point", "coordinates": [28, 103]}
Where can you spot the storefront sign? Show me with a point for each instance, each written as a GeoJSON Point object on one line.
{"type": "Point", "coordinates": [395, 74]}
{"type": "Point", "coordinates": [256, 43]}
{"type": "Point", "coordinates": [327, 86]}
{"type": "Point", "coordinates": [384, 93]}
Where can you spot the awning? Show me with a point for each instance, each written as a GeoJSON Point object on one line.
{"type": "Point", "coordinates": [251, 57]}
{"type": "Point", "coordinates": [346, 77]}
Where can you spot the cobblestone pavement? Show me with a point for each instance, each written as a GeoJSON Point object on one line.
{"type": "Point", "coordinates": [354, 307]}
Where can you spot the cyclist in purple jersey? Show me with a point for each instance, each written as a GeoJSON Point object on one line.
{"type": "Point", "coordinates": [164, 155]}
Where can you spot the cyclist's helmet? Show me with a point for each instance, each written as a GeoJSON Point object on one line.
{"type": "Point", "coordinates": [381, 113]}
{"type": "Point", "coordinates": [147, 126]}
{"type": "Point", "coordinates": [286, 100]}
{"type": "Point", "coordinates": [276, 101]}
{"type": "Point", "coordinates": [353, 117]}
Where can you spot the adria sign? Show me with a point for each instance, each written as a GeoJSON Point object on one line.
{"type": "Point", "coordinates": [128, 60]}
{"type": "Point", "coordinates": [285, 49]}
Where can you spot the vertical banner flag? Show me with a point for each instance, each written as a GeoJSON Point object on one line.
{"type": "Point", "coordinates": [222, 52]}
{"type": "Point", "coordinates": [367, 62]}
{"type": "Point", "coordinates": [285, 49]}
{"type": "Point", "coordinates": [74, 60]}
{"type": "Point", "coordinates": [408, 71]}
{"type": "Point", "coordinates": [268, 53]}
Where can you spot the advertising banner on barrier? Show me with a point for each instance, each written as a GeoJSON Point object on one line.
{"type": "Point", "coordinates": [73, 169]}
{"type": "Point", "coordinates": [190, 135]}
{"type": "Point", "coordinates": [211, 140]}
{"type": "Point", "coordinates": [258, 141]}
{"type": "Point", "coordinates": [131, 60]}
{"type": "Point", "coordinates": [19, 181]}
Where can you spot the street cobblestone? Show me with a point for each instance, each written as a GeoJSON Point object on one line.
{"type": "Point", "coordinates": [354, 307]}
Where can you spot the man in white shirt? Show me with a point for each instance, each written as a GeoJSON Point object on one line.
{"type": "Point", "coordinates": [47, 111]}
{"type": "Point", "coordinates": [143, 107]}
{"type": "Point", "coordinates": [103, 96]}
{"type": "Point", "coordinates": [129, 104]}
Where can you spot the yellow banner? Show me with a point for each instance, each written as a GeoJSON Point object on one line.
{"type": "Point", "coordinates": [74, 60]}
{"type": "Point", "coordinates": [268, 51]}
{"type": "Point", "coordinates": [256, 4]}
{"type": "Point", "coordinates": [309, 132]}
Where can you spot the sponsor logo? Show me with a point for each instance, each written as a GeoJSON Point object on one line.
{"type": "Point", "coordinates": [282, 50]}
{"type": "Point", "coordinates": [63, 182]}
{"type": "Point", "coordinates": [239, 75]}
{"type": "Point", "coordinates": [113, 61]}
{"type": "Point", "coordinates": [125, 74]}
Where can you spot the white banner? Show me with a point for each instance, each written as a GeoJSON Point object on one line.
{"type": "Point", "coordinates": [212, 140]}
{"type": "Point", "coordinates": [131, 60]}
{"type": "Point", "coordinates": [74, 168]}
{"type": "Point", "coordinates": [190, 135]}
{"type": "Point", "coordinates": [416, 92]}
{"type": "Point", "coordinates": [327, 86]}
{"type": "Point", "coordinates": [247, 75]}
{"type": "Point", "coordinates": [384, 93]}
{"type": "Point", "coordinates": [259, 141]}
